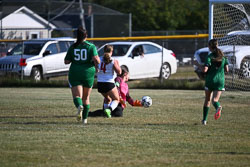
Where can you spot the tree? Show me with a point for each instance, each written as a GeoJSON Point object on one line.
{"type": "Point", "coordinates": [162, 14]}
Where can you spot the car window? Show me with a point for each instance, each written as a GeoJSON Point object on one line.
{"type": "Point", "coordinates": [203, 56]}
{"type": "Point", "coordinates": [151, 49]}
{"type": "Point", "coordinates": [118, 50]}
{"type": "Point", "coordinates": [138, 50]}
{"type": "Point", "coordinates": [29, 49]}
{"type": "Point", "coordinates": [71, 43]}
{"type": "Point", "coordinates": [52, 48]}
{"type": "Point", "coordinates": [63, 45]}
{"type": "Point", "coordinates": [17, 50]}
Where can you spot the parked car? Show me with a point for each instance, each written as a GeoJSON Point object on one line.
{"type": "Point", "coordinates": [144, 59]}
{"type": "Point", "coordinates": [238, 54]}
{"type": "Point", "coordinates": [38, 59]}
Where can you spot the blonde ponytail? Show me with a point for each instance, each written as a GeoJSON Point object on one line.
{"type": "Point", "coordinates": [108, 49]}
{"type": "Point", "coordinates": [107, 58]}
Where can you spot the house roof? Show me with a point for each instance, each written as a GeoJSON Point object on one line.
{"type": "Point", "coordinates": [61, 14]}
{"type": "Point", "coordinates": [25, 18]}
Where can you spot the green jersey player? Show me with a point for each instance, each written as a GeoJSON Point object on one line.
{"type": "Point", "coordinates": [84, 60]}
{"type": "Point", "coordinates": [215, 67]}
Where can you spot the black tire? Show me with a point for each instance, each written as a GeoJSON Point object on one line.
{"type": "Point", "coordinates": [165, 72]}
{"type": "Point", "coordinates": [36, 74]}
{"type": "Point", "coordinates": [245, 67]}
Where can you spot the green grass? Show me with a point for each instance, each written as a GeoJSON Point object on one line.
{"type": "Point", "coordinates": [38, 128]}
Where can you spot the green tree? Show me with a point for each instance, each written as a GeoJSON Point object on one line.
{"type": "Point", "coordinates": [162, 14]}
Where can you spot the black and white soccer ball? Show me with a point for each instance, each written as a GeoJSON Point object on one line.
{"type": "Point", "coordinates": [146, 101]}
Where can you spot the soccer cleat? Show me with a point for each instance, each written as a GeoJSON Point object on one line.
{"type": "Point", "coordinates": [84, 121]}
{"type": "Point", "coordinates": [204, 122]}
{"type": "Point", "coordinates": [107, 112]}
{"type": "Point", "coordinates": [79, 113]}
{"type": "Point", "coordinates": [218, 113]}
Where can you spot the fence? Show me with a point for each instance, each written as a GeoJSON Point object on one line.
{"type": "Point", "coordinates": [183, 46]}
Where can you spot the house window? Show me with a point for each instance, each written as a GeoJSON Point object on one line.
{"type": "Point", "coordinates": [34, 35]}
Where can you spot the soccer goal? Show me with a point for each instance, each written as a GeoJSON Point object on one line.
{"type": "Point", "coordinates": [229, 22]}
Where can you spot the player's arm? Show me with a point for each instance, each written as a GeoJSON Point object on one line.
{"type": "Point", "coordinates": [96, 60]}
{"type": "Point", "coordinates": [226, 68]}
{"type": "Point", "coordinates": [204, 69]}
{"type": "Point", "coordinates": [117, 67]}
{"type": "Point", "coordinates": [201, 67]}
{"type": "Point", "coordinates": [134, 103]}
{"type": "Point", "coordinates": [118, 81]}
{"type": "Point", "coordinates": [67, 59]}
{"type": "Point", "coordinates": [95, 57]}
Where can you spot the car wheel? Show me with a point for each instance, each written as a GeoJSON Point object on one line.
{"type": "Point", "coordinates": [165, 71]}
{"type": "Point", "coordinates": [245, 67]}
{"type": "Point", "coordinates": [36, 74]}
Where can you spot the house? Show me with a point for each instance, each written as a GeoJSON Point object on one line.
{"type": "Point", "coordinates": [99, 20]}
{"type": "Point", "coordinates": [40, 19]}
{"type": "Point", "coordinates": [24, 24]}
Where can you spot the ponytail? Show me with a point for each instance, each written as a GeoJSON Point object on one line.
{"type": "Point", "coordinates": [81, 35]}
{"type": "Point", "coordinates": [124, 72]}
{"type": "Point", "coordinates": [108, 49]}
{"type": "Point", "coordinates": [107, 58]}
{"type": "Point", "coordinates": [213, 45]}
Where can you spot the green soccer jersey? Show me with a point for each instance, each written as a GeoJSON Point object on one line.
{"type": "Point", "coordinates": [82, 68]}
{"type": "Point", "coordinates": [215, 79]}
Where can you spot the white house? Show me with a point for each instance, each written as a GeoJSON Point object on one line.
{"type": "Point", "coordinates": [25, 24]}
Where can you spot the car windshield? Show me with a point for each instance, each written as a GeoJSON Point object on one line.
{"type": "Point", "coordinates": [235, 40]}
{"type": "Point", "coordinates": [118, 50]}
{"type": "Point", "coordinates": [29, 49]}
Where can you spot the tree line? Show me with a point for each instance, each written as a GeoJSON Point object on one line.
{"type": "Point", "coordinates": [148, 15]}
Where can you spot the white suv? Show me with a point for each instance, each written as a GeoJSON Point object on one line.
{"type": "Point", "coordinates": [41, 58]}
{"type": "Point", "coordinates": [238, 55]}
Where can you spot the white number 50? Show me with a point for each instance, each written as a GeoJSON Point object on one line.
{"type": "Point", "coordinates": [80, 54]}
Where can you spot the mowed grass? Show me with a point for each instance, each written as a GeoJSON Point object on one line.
{"type": "Point", "coordinates": [38, 128]}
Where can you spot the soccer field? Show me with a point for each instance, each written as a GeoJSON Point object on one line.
{"type": "Point", "coordinates": [38, 128]}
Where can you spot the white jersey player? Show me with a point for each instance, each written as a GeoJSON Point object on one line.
{"type": "Point", "coordinates": [108, 68]}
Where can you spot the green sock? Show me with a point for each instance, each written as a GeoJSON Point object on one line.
{"type": "Point", "coordinates": [216, 105]}
{"type": "Point", "coordinates": [86, 111]}
{"type": "Point", "coordinates": [205, 112]}
{"type": "Point", "coordinates": [77, 101]}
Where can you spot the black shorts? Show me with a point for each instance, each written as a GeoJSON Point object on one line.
{"type": "Point", "coordinates": [118, 112]}
{"type": "Point", "coordinates": [105, 87]}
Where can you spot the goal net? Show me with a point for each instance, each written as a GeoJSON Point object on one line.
{"type": "Point", "coordinates": [229, 22]}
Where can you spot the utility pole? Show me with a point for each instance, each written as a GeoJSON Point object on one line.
{"type": "Point", "coordinates": [48, 18]}
{"type": "Point", "coordinates": [82, 14]}
{"type": "Point", "coordinates": [1, 16]}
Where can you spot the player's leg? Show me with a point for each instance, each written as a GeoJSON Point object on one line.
{"type": "Point", "coordinates": [114, 94]}
{"type": "Point", "coordinates": [216, 104]}
{"type": "Point", "coordinates": [107, 101]}
{"type": "Point", "coordinates": [77, 99]}
{"type": "Point", "coordinates": [86, 103]}
{"type": "Point", "coordinates": [77, 95]}
{"type": "Point", "coordinates": [206, 106]}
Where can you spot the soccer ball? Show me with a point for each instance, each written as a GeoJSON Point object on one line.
{"type": "Point", "coordinates": [146, 101]}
